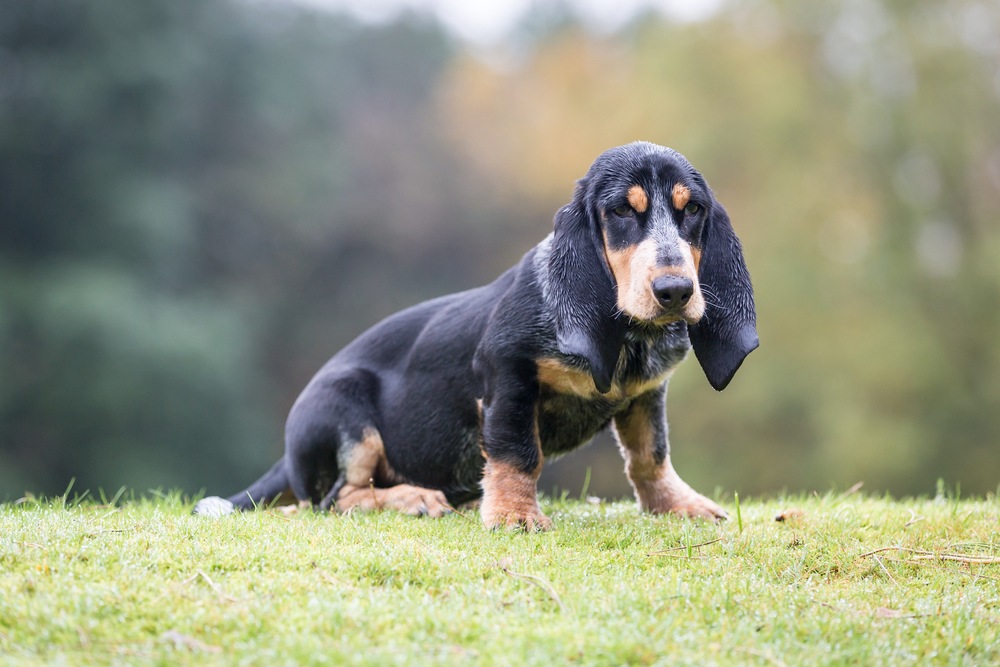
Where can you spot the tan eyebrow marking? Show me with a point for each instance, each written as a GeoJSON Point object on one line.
{"type": "Point", "coordinates": [681, 195]}
{"type": "Point", "coordinates": [637, 199]}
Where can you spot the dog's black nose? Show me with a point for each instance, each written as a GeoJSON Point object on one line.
{"type": "Point", "coordinates": [673, 291]}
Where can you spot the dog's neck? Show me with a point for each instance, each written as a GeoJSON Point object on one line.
{"type": "Point", "coordinates": [647, 348]}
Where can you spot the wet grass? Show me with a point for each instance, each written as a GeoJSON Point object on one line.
{"type": "Point", "coordinates": [842, 579]}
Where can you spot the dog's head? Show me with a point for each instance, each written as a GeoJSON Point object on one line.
{"type": "Point", "coordinates": [644, 243]}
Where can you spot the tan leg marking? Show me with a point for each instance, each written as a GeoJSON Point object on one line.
{"type": "Point", "coordinates": [361, 461]}
{"type": "Point", "coordinates": [364, 465]}
{"type": "Point", "coordinates": [510, 498]}
{"type": "Point", "coordinates": [658, 487]}
{"type": "Point", "coordinates": [405, 498]}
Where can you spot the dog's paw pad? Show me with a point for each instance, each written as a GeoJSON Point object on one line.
{"type": "Point", "coordinates": [213, 507]}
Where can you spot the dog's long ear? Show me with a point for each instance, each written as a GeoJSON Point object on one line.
{"type": "Point", "coordinates": [727, 332]}
{"type": "Point", "coordinates": [587, 324]}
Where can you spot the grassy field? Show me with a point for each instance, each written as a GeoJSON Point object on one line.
{"type": "Point", "coordinates": [842, 579]}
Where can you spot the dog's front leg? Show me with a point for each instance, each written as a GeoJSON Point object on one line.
{"type": "Point", "coordinates": [642, 437]}
{"type": "Point", "coordinates": [513, 455]}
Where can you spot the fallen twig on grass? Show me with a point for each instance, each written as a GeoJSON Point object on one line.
{"type": "Point", "coordinates": [978, 560]}
{"type": "Point", "coordinates": [851, 491]}
{"type": "Point", "coordinates": [455, 510]}
{"type": "Point", "coordinates": [885, 612]}
{"type": "Point", "coordinates": [683, 547]}
{"type": "Point", "coordinates": [214, 586]}
{"type": "Point", "coordinates": [920, 554]}
{"type": "Point", "coordinates": [967, 572]}
{"type": "Point", "coordinates": [180, 640]}
{"type": "Point", "coordinates": [537, 581]}
{"type": "Point", "coordinates": [882, 565]}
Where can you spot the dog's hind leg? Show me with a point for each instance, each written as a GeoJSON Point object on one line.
{"type": "Point", "coordinates": [335, 454]}
{"type": "Point", "coordinates": [367, 483]}
{"type": "Point", "coordinates": [324, 428]}
{"type": "Point", "coordinates": [272, 486]}
{"type": "Point", "coordinates": [326, 413]}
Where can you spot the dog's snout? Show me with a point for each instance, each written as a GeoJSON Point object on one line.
{"type": "Point", "coordinates": [673, 291]}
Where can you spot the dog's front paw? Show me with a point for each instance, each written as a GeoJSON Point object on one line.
{"type": "Point", "coordinates": [669, 494]}
{"type": "Point", "coordinates": [510, 499]}
{"type": "Point", "coordinates": [697, 506]}
{"type": "Point", "coordinates": [529, 518]}
{"type": "Point", "coordinates": [213, 507]}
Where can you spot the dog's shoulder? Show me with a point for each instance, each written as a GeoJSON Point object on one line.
{"type": "Point", "coordinates": [520, 320]}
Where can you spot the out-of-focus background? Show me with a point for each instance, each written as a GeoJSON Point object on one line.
{"type": "Point", "coordinates": [202, 200]}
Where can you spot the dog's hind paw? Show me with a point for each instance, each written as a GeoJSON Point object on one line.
{"type": "Point", "coordinates": [213, 507]}
{"type": "Point", "coordinates": [405, 498]}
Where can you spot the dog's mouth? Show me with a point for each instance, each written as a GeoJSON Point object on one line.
{"type": "Point", "coordinates": [667, 319]}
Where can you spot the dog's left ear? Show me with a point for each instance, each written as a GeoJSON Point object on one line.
{"type": "Point", "coordinates": [727, 332]}
{"type": "Point", "coordinates": [587, 322]}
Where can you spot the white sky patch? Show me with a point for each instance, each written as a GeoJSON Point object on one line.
{"type": "Point", "coordinates": [610, 15]}
{"type": "Point", "coordinates": [488, 22]}
{"type": "Point", "coordinates": [480, 22]}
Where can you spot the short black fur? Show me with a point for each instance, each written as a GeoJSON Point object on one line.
{"type": "Point", "coordinates": [452, 381]}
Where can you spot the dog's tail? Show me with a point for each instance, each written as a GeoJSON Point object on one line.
{"type": "Point", "coordinates": [272, 485]}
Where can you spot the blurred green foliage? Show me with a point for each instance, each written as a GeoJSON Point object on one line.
{"type": "Point", "coordinates": [200, 201]}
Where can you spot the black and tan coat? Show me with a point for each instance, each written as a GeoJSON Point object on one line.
{"type": "Point", "coordinates": [465, 396]}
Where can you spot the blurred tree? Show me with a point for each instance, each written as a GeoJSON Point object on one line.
{"type": "Point", "coordinates": [166, 168]}
{"type": "Point", "coordinates": [857, 148]}
{"type": "Point", "coordinates": [201, 200]}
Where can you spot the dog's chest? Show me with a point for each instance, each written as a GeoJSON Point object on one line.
{"type": "Point", "coordinates": [565, 421]}
{"type": "Point", "coordinates": [571, 410]}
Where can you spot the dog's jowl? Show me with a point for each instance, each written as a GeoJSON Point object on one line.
{"type": "Point", "coordinates": [465, 396]}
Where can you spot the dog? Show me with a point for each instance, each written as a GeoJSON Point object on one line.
{"type": "Point", "coordinates": [465, 396]}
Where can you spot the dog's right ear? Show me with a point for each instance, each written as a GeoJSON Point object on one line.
{"type": "Point", "coordinates": [587, 322]}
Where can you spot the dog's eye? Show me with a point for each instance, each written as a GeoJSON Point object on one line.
{"type": "Point", "coordinates": [692, 209]}
{"type": "Point", "coordinates": [622, 211]}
